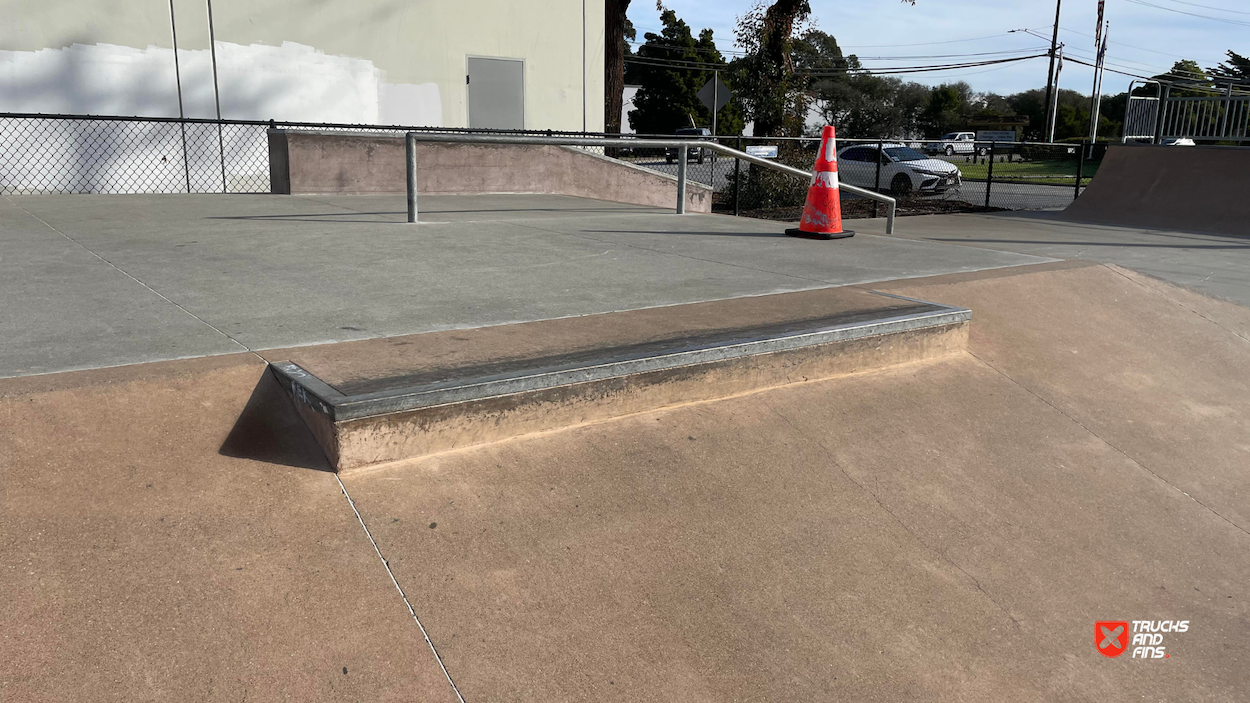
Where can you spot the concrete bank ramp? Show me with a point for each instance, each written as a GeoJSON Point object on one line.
{"type": "Point", "coordinates": [321, 163]}
{"type": "Point", "coordinates": [1195, 189]}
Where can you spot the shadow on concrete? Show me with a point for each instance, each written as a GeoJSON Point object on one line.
{"type": "Point", "coordinates": [1126, 245]}
{"type": "Point", "coordinates": [1059, 217]}
{"type": "Point", "coordinates": [682, 232]}
{"type": "Point", "coordinates": [270, 430]}
{"type": "Point", "coordinates": [338, 217]}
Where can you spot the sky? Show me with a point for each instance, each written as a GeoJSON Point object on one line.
{"type": "Point", "coordinates": [1144, 38]}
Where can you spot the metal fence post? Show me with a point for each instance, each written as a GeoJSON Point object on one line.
{"type": "Point", "coordinates": [989, 177]}
{"type": "Point", "coordinates": [737, 179]}
{"type": "Point", "coordinates": [877, 184]}
{"type": "Point", "coordinates": [410, 158]}
{"type": "Point", "coordinates": [682, 155]}
{"type": "Point", "coordinates": [1080, 166]}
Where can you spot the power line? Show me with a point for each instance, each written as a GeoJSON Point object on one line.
{"type": "Point", "coordinates": [885, 70]}
{"type": "Point", "coordinates": [931, 43]}
{"type": "Point", "coordinates": [1128, 46]}
{"type": "Point", "coordinates": [1195, 88]}
{"type": "Point", "coordinates": [1209, 7]}
{"type": "Point", "coordinates": [921, 69]}
{"type": "Point", "coordinates": [1191, 14]}
{"type": "Point", "coordinates": [861, 58]}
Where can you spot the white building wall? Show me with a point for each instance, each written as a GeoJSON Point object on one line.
{"type": "Point", "coordinates": [359, 61]}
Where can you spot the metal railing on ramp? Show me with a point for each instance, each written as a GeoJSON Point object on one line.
{"type": "Point", "coordinates": [412, 138]}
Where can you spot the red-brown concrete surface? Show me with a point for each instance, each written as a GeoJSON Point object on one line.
{"type": "Point", "coordinates": [139, 561]}
{"type": "Point", "coordinates": [947, 530]}
{"type": "Point", "coordinates": [935, 532]}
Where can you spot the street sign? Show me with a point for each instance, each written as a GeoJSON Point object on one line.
{"type": "Point", "coordinates": [992, 135]}
{"type": "Point", "coordinates": [715, 90]}
{"type": "Point", "coordinates": [764, 152]}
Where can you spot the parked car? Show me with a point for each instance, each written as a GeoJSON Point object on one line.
{"type": "Point", "coordinates": [957, 143]}
{"type": "Point", "coordinates": [670, 155]}
{"type": "Point", "coordinates": [903, 170]}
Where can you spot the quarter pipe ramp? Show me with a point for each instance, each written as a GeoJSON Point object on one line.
{"type": "Point", "coordinates": [1199, 189]}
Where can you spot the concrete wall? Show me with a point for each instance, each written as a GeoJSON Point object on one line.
{"type": "Point", "coordinates": [315, 163]}
{"type": "Point", "coordinates": [365, 61]}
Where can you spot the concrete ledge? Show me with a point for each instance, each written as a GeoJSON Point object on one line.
{"type": "Point", "coordinates": [437, 411]}
{"type": "Point", "coordinates": [317, 163]}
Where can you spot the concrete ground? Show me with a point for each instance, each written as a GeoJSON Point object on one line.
{"type": "Point", "coordinates": [105, 280]}
{"type": "Point", "coordinates": [947, 530]}
{"type": "Point", "coordinates": [1215, 264]}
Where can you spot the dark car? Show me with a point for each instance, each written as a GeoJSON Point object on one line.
{"type": "Point", "coordinates": [670, 155]}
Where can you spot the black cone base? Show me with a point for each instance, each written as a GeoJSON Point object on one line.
{"type": "Point", "coordinates": [796, 232]}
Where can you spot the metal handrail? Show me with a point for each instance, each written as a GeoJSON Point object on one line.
{"type": "Point", "coordinates": [411, 139]}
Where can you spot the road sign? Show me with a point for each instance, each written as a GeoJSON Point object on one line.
{"type": "Point", "coordinates": [715, 90]}
{"type": "Point", "coordinates": [764, 152]}
{"type": "Point", "coordinates": [995, 135]}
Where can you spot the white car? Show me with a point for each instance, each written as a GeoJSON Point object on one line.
{"type": "Point", "coordinates": [903, 170]}
{"type": "Point", "coordinates": [957, 143]}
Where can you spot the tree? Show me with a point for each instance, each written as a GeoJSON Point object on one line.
{"type": "Point", "coordinates": [950, 106]}
{"type": "Point", "coordinates": [667, 98]}
{"type": "Point", "coordinates": [1186, 73]}
{"type": "Point", "coordinates": [617, 29]}
{"type": "Point", "coordinates": [1237, 68]}
{"type": "Point", "coordinates": [772, 94]}
{"type": "Point", "coordinates": [858, 103]}
{"type": "Point", "coordinates": [1072, 116]}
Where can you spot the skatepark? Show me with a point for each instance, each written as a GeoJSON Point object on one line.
{"type": "Point", "coordinates": [550, 447]}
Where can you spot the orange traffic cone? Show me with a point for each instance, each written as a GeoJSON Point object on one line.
{"type": "Point", "coordinates": [822, 213]}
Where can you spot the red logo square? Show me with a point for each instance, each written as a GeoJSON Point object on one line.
{"type": "Point", "coordinates": [1111, 637]}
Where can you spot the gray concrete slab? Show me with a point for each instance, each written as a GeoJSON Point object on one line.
{"type": "Point", "coordinates": [64, 308]}
{"type": "Point", "coordinates": [1217, 265]}
{"type": "Point", "coordinates": [282, 271]}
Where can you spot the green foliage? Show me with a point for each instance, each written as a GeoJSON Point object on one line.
{"type": "Point", "coordinates": [1237, 68]}
{"type": "Point", "coordinates": [772, 95]}
{"type": "Point", "coordinates": [1186, 72]}
{"type": "Point", "coordinates": [950, 106]}
{"type": "Point", "coordinates": [667, 98]}
{"type": "Point", "coordinates": [764, 188]}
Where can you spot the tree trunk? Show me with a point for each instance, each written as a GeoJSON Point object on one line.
{"type": "Point", "coordinates": [779, 22]}
{"type": "Point", "coordinates": [614, 63]}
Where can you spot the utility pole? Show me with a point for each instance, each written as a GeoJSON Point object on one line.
{"type": "Point", "coordinates": [1095, 99]}
{"type": "Point", "coordinates": [1050, 74]}
{"type": "Point", "coordinates": [1052, 114]}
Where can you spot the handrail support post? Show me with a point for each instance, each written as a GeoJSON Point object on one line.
{"type": "Point", "coordinates": [681, 180]}
{"type": "Point", "coordinates": [410, 160]}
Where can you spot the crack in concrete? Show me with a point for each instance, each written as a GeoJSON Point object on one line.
{"type": "Point", "coordinates": [975, 581]}
{"type": "Point", "coordinates": [127, 274]}
{"type": "Point", "coordinates": [404, 596]}
{"type": "Point", "coordinates": [1100, 438]}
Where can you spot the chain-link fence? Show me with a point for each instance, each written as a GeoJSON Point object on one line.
{"type": "Point", "coordinates": [925, 177]}
{"type": "Point", "coordinates": [42, 154]}
{"type": "Point", "coordinates": [117, 155]}
{"type": "Point", "coordinates": [78, 154]}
